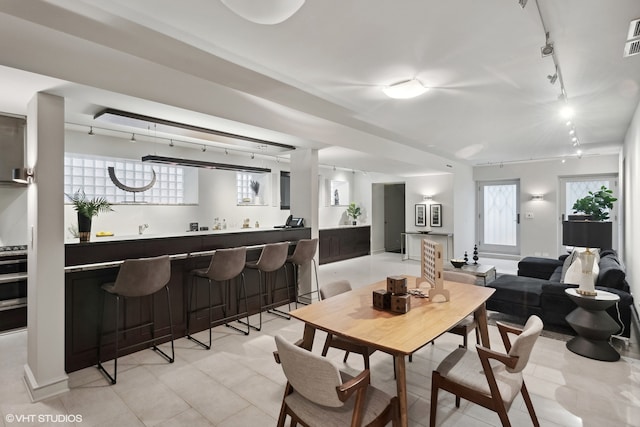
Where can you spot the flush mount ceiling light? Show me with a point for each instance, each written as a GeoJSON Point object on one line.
{"type": "Point", "coordinates": [265, 12]}
{"type": "Point", "coordinates": [405, 89]}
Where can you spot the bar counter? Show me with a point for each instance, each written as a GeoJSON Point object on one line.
{"type": "Point", "coordinates": [89, 265]}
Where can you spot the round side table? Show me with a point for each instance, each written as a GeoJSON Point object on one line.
{"type": "Point", "coordinates": [593, 325]}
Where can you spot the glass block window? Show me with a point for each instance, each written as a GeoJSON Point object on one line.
{"type": "Point", "coordinates": [245, 194]}
{"type": "Point", "coordinates": [90, 174]}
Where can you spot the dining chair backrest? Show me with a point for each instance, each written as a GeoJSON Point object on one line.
{"type": "Point", "coordinates": [144, 276]}
{"type": "Point", "coordinates": [523, 343]}
{"type": "Point", "coordinates": [334, 288]}
{"type": "Point", "coordinates": [311, 375]}
{"type": "Point", "coordinates": [227, 263]}
{"type": "Point", "coordinates": [273, 256]}
{"type": "Point", "coordinates": [456, 276]}
{"type": "Point", "coordinates": [304, 252]}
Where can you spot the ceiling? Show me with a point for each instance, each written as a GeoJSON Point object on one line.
{"type": "Point", "coordinates": [315, 80]}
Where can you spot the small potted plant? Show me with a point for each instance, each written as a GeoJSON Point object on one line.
{"type": "Point", "coordinates": [353, 211]}
{"type": "Point", "coordinates": [255, 187]}
{"type": "Point", "coordinates": [596, 205]}
{"type": "Point", "coordinates": [87, 209]}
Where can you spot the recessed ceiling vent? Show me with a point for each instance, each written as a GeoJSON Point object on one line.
{"type": "Point", "coordinates": [632, 46]}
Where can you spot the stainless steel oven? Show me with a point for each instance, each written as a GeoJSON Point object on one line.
{"type": "Point", "coordinates": [13, 285]}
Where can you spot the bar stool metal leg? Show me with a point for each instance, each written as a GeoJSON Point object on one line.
{"type": "Point", "coordinates": [277, 311]}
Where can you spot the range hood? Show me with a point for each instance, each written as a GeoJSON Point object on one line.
{"type": "Point", "coordinates": [12, 146]}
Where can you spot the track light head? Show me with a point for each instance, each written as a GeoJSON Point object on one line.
{"type": "Point", "coordinates": [133, 137]}
{"type": "Point", "coordinates": [253, 156]}
{"type": "Point", "coordinates": [91, 130]}
{"type": "Point", "coordinates": [204, 148]}
{"type": "Point", "coordinates": [171, 143]}
{"type": "Point", "coordinates": [552, 78]}
{"type": "Point", "coordinates": [522, 3]}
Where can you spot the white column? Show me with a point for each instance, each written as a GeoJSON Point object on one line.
{"type": "Point", "coordinates": [44, 372]}
{"type": "Point", "coordinates": [304, 201]}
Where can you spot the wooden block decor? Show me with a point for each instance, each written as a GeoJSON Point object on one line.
{"type": "Point", "coordinates": [382, 299]}
{"type": "Point", "coordinates": [401, 303]}
{"type": "Point", "coordinates": [397, 284]}
{"type": "Point", "coordinates": [432, 270]}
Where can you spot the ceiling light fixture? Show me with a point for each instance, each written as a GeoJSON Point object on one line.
{"type": "Point", "coordinates": [405, 89]}
{"type": "Point", "coordinates": [552, 79]}
{"type": "Point", "coordinates": [204, 148]}
{"type": "Point", "coordinates": [133, 137]}
{"type": "Point", "coordinates": [265, 12]}
{"type": "Point", "coordinates": [171, 143]}
{"type": "Point", "coordinates": [201, 164]}
{"type": "Point", "coordinates": [547, 49]}
{"type": "Point", "coordinates": [253, 156]}
{"type": "Point", "coordinates": [522, 3]}
{"type": "Point", "coordinates": [124, 118]}
{"type": "Point", "coordinates": [91, 131]}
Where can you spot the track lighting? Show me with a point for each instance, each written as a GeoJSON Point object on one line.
{"type": "Point", "coordinates": [91, 130]}
{"type": "Point", "coordinates": [552, 78]}
{"type": "Point", "coordinates": [171, 143]}
{"type": "Point", "coordinates": [133, 137]}
{"type": "Point", "coordinates": [226, 151]}
{"type": "Point", "coordinates": [547, 49]}
{"type": "Point", "coordinates": [522, 3]}
{"type": "Point", "coordinates": [204, 148]}
{"type": "Point", "coordinates": [253, 156]}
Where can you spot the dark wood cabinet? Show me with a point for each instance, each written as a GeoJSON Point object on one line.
{"type": "Point", "coordinates": [337, 244]}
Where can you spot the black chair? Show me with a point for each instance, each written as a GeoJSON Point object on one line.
{"type": "Point", "coordinates": [225, 265]}
{"type": "Point", "coordinates": [137, 278]}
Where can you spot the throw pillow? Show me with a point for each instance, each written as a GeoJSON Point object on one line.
{"type": "Point", "coordinates": [574, 272]}
{"type": "Point", "coordinates": [567, 263]}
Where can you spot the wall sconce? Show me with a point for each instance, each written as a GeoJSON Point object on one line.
{"type": "Point", "coordinates": [427, 198]}
{"type": "Point", "coordinates": [537, 197]}
{"type": "Point", "coordinates": [22, 175]}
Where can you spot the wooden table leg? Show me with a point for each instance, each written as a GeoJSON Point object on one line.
{"type": "Point", "coordinates": [401, 383]}
{"type": "Point", "coordinates": [307, 337]}
{"type": "Point", "coordinates": [481, 319]}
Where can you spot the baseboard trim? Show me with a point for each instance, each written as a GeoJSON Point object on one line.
{"type": "Point", "coordinates": [511, 257]}
{"type": "Point", "coordinates": [38, 392]}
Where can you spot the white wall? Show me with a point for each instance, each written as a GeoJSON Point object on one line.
{"type": "Point", "coordinates": [630, 182]}
{"type": "Point", "coordinates": [13, 218]}
{"type": "Point", "coordinates": [539, 236]}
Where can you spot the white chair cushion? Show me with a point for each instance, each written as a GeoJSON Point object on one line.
{"type": "Point", "coordinates": [323, 416]}
{"type": "Point", "coordinates": [464, 367]}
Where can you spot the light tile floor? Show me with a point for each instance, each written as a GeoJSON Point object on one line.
{"type": "Point", "coordinates": [237, 382]}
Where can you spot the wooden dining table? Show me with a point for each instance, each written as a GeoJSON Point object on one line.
{"type": "Point", "coordinates": [352, 315]}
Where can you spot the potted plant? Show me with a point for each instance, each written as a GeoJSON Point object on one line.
{"type": "Point", "coordinates": [87, 209]}
{"type": "Point", "coordinates": [354, 212]}
{"type": "Point", "coordinates": [596, 205]}
{"type": "Point", "coordinates": [255, 187]}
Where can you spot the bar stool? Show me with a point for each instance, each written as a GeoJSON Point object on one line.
{"type": "Point", "coordinates": [137, 278]}
{"type": "Point", "coordinates": [272, 259]}
{"type": "Point", "coordinates": [225, 265]}
{"type": "Point", "coordinates": [305, 252]}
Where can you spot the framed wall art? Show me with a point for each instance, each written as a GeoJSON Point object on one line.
{"type": "Point", "coordinates": [421, 215]}
{"type": "Point", "coordinates": [436, 215]}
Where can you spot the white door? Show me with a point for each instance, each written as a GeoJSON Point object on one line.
{"type": "Point", "coordinates": [499, 217]}
{"type": "Point", "coordinates": [574, 188]}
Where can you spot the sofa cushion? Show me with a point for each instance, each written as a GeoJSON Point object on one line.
{"type": "Point", "coordinates": [537, 267]}
{"type": "Point", "coordinates": [518, 290]}
{"type": "Point", "coordinates": [557, 274]}
{"type": "Point", "coordinates": [611, 274]}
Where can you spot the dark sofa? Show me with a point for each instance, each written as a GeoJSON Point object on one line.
{"type": "Point", "coordinates": [537, 290]}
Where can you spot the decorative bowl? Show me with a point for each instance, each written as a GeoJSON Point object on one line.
{"type": "Point", "coordinates": [457, 263]}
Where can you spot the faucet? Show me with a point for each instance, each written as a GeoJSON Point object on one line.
{"type": "Point", "coordinates": [142, 227]}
